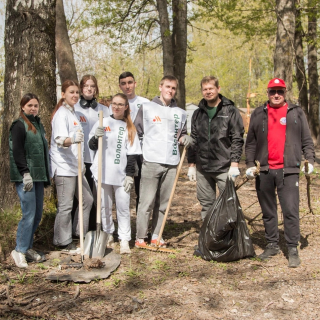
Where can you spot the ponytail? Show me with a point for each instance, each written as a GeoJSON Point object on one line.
{"type": "Point", "coordinates": [25, 99]}
{"type": "Point", "coordinates": [64, 87]}
{"type": "Point", "coordinates": [59, 104]}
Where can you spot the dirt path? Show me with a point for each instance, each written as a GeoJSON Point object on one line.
{"type": "Point", "coordinates": [150, 285]}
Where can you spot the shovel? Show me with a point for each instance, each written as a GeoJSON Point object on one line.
{"type": "Point", "coordinates": [95, 241]}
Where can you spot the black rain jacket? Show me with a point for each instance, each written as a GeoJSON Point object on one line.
{"type": "Point", "coordinates": [219, 141]}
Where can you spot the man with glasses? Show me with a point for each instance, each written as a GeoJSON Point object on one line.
{"type": "Point", "coordinates": [217, 130]}
{"type": "Point", "coordinates": [278, 132]}
{"type": "Point", "coordinates": [128, 84]}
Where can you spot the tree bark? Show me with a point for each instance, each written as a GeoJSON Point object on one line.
{"type": "Point", "coordinates": [300, 66]}
{"type": "Point", "coordinates": [64, 53]}
{"type": "Point", "coordinates": [179, 47]}
{"type": "Point", "coordinates": [283, 54]}
{"type": "Point", "coordinates": [30, 67]}
{"type": "Point", "coordinates": [313, 71]}
{"type": "Point", "coordinates": [166, 37]}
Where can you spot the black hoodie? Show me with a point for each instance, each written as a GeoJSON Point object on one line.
{"type": "Point", "coordinates": [219, 141]}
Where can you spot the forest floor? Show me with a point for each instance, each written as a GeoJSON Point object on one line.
{"type": "Point", "coordinates": [151, 285]}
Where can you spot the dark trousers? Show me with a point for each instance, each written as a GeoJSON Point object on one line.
{"type": "Point", "coordinates": [287, 187]}
{"type": "Point", "coordinates": [137, 182]}
{"type": "Point", "coordinates": [93, 212]}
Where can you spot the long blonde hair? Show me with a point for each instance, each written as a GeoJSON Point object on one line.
{"type": "Point", "coordinates": [127, 118]}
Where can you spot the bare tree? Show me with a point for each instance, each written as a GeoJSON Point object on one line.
{"type": "Point", "coordinates": [300, 66]}
{"type": "Point", "coordinates": [313, 71]}
{"type": "Point", "coordinates": [64, 53]}
{"type": "Point", "coordinates": [30, 67]}
{"type": "Point", "coordinates": [284, 50]}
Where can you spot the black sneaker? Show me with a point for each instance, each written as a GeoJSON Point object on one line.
{"type": "Point", "coordinates": [271, 249]}
{"type": "Point", "coordinates": [71, 247]}
{"type": "Point", "coordinates": [294, 260]}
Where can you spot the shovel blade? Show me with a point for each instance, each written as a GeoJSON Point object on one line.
{"type": "Point", "coordinates": [95, 244]}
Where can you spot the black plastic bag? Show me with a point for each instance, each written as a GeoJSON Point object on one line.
{"type": "Point", "coordinates": [224, 235]}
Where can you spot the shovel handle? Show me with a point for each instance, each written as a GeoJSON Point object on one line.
{"type": "Point", "coordinates": [80, 197]}
{"type": "Point", "coordinates": [99, 172]}
{"type": "Point", "coordinates": [171, 196]}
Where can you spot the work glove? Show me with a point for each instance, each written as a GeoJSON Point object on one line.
{"type": "Point", "coordinates": [187, 141]}
{"type": "Point", "coordinates": [27, 181]}
{"type": "Point", "coordinates": [192, 174]}
{"type": "Point", "coordinates": [99, 132]}
{"type": "Point", "coordinates": [233, 173]}
{"type": "Point", "coordinates": [128, 182]}
{"type": "Point", "coordinates": [77, 137]}
{"type": "Point", "coordinates": [250, 173]}
{"type": "Point", "coordinates": [310, 169]}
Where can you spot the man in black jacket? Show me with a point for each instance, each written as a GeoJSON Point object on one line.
{"type": "Point", "coordinates": [278, 132]}
{"type": "Point", "coordinates": [217, 131]}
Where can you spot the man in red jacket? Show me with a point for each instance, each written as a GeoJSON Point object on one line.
{"type": "Point", "coordinates": [278, 132]}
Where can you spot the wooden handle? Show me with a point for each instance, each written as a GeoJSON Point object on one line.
{"type": "Point", "coordinates": [80, 197]}
{"type": "Point", "coordinates": [171, 196]}
{"type": "Point", "coordinates": [99, 170]}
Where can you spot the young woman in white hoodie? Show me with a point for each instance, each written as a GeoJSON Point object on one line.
{"type": "Point", "coordinates": [120, 149]}
{"type": "Point", "coordinates": [66, 134]}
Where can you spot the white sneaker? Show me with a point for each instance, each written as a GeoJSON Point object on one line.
{"type": "Point", "coordinates": [19, 259]}
{"type": "Point", "coordinates": [124, 247]}
{"type": "Point", "coordinates": [32, 255]}
{"type": "Point", "coordinates": [110, 240]}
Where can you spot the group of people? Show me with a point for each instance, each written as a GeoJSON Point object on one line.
{"type": "Point", "coordinates": [140, 146]}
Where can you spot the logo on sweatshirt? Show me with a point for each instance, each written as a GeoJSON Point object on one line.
{"type": "Point", "coordinates": [119, 145]}
{"type": "Point", "coordinates": [75, 123]}
{"type": "Point", "coordinates": [157, 119]}
{"type": "Point", "coordinates": [107, 129]}
{"type": "Point", "coordinates": [176, 129]}
{"type": "Point", "coordinates": [83, 119]}
{"type": "Point", "coordinates": [283, 121]}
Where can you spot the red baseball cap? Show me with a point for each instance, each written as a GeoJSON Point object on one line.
{"type": "Point", "coordinates": [276, 82]}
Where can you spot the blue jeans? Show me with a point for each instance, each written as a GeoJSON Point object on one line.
{"type": "Point", "coordinates": [31, 206]}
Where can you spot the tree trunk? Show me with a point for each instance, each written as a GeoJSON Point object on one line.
{"type": "Point", "coordinates": [179, 47]}
{"type": "Point", "coordinates": [166, 37]}
{"type": "Point", "coordinates": [283, 53]}
{"type": "Point", "coordinates": [313, 71]}
{"type": "Point", "coordinates": [30, 67]}
{"type": "Point", "coordinates": [300, 66]}
{"type": "Point", "coordinates": [64, 53]}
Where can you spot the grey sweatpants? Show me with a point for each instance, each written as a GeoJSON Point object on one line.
{"type": "Point", "coordinates": [154, 177]}
{"type": "Point", "coordinates": [67, 188]}
{"type": "Point", "coordinates": [206, 188]}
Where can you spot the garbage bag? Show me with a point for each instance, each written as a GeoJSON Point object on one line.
{"type": "Point", "coordinates": [224, 235]}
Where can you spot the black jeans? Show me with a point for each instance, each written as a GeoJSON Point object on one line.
{"type": "Point", "coordinates": [137, 182]}
{"type": "Point", "coordinates": [287, 187]}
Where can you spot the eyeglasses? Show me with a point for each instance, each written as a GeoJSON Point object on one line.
{"type": "Point", "coordinates": [119, 105]}
{"type": "Point", "coordinates": [280, 92]}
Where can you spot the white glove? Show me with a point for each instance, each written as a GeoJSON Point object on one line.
{"type": "Point", "coordinates": [77, 137]}
{"type": "Point", "coordinates": [233, 173]}
{"type": "Point", "coordinates": [192, 174]}
{"type": "Point", "coordinates": [187, 141]}
{"type": "Point", "coordinates": [27, 182]}
{"type": "Point", "coordinates": [99, 132]}
{"type": "Point", "coordinates": [250, 173]}
{"type": "Point", "coordinates": [310, 168]}
{"type": "Point", "coordinates": [128, 182]}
